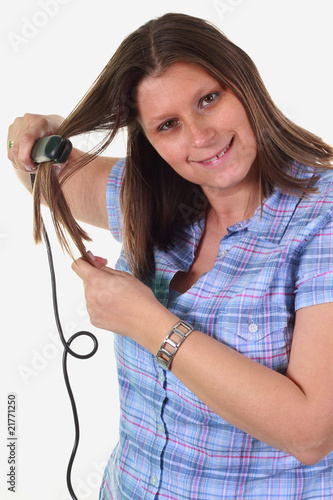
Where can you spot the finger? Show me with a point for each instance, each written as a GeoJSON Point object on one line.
{"type": "Point", "coordinates": [98, 262]}
{"type": "Point", "coordinates": [20, 151]}
{"type": "Point", "coordinates": [24, 132]}
{"type": "Point", "coordinates": [83, 268]}
{"type": "Point", "coordinates": [86, 270]}
{"type": "Point", "coordinates": [26, 145]}
{"type": "Point", "coordinates": [10, 150]}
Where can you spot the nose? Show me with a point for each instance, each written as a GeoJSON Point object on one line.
{"type": "Point", "coordinates": [201, 133]}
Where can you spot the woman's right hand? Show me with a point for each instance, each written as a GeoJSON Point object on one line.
{"type": "Point", "coordinates": [23, 134]}
{"type": "Point", "coordinates": [25, 131]}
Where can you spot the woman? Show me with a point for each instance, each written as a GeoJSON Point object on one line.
{"type": "Point", "coordinates": [222, 297]}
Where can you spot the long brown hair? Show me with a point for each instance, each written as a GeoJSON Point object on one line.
{"type": "Point", "coordinates": [155, 200]}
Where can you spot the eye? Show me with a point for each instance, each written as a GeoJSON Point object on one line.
{"type": "Point", "coordinates": [209, 99]}
{"type": "Point", "coordinates": [168, 125]}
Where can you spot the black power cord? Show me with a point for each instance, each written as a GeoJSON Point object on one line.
{"type": "Point", "coordinates": [67, 350]}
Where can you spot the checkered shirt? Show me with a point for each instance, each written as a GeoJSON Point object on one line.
{"type": "Point", "coordinates": [171, 445]}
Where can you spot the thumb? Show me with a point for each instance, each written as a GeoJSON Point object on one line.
{"type": "Point", "coordinates": [97, 261]}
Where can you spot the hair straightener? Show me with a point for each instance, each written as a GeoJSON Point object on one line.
{"type": "Point", "coordinates": [52, 148]}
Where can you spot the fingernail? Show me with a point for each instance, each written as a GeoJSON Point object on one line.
{"type": "Point", "coordinates": [91, 255]}
{"type": "Point", "coordinates": [30, 169]}
{"type": "Point", "coordinates": [58, 168]}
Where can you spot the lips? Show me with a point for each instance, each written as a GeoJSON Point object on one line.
{"type": "Point", "coordinates": [214, 158]}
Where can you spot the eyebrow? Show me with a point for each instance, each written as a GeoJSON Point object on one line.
{"type": "Point", "coordinates": [162, 118]}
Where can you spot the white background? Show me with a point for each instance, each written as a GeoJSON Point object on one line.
{"type": "Point", "coordinates": [52, 51]}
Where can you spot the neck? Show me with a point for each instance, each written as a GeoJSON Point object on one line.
{"type": "Point", "coordinates": [230, 208]}
{"type": "Point", "coordinates": [237, 202]}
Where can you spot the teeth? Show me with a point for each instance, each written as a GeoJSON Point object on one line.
{"type": "Point", "coordinates": [219, 155]}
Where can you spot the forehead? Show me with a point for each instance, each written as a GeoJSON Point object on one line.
{"type": "Point", "coordinates": [179, 81]}
{"type": "Point", "coordinates": [178, 73]}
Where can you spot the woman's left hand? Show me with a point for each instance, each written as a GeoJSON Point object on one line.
{"type": "Point", "coordinates": [119, 302]}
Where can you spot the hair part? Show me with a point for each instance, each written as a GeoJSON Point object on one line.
{"type": "Point", "coordinates": [155, 200]}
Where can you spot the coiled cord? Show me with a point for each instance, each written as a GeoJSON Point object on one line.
{"type": "Point", "coordinates": [67, 350]}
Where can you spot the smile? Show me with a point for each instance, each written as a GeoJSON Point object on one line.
{"type": "Point", "coordinates": [219, 155]}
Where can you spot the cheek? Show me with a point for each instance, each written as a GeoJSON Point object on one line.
{"type": "Point", "coordinates": [248, 143]}
{"type": "Point", "coordinates": [172, 151]}
{"type": "Point", "coordinates": [249, 150]}
{"type": "Point", "coordinates": [175, 156]}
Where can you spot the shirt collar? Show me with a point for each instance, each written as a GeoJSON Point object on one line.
{"type": "Point", "coordinates": [271, 220]}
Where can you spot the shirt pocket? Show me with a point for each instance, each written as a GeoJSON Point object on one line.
{"type": "Point", "coordinates": [262, 332]}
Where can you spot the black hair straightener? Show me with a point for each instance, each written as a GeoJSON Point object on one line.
{"type": "Point", "coordinates": [52, 148]}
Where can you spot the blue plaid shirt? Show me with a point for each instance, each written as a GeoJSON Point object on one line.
{"type": "Point", "coordinates": [172, 446]}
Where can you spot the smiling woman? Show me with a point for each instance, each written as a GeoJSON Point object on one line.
{"type": "Point", "coordinates": [222, 300]}
{"type": "Point", "coordinates": [205, 133]}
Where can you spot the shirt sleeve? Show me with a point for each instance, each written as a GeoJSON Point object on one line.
{"type": "Point", "coordinates": [113, 199]}
{"type": "Point", "coordinates": [314, 280]}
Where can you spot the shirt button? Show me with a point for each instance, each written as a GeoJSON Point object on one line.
{"type": "Point", "coordinates": [153, 480]}
{"type": "Point", "coordinates": [253, 328]}
{"type": "Point", "coordinates": [160, 428]}
{"type": "Point", "coordinates": [161, 377]}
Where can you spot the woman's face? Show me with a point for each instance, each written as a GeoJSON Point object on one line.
{"type": "Point", "coordinates": [200, 129]}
